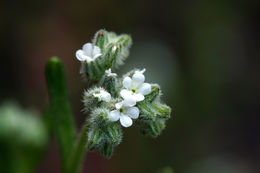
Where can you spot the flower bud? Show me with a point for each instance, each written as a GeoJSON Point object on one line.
{"type": "Point", "coordinates": [107, 149]}
{"type": "Point", "coordinates": [99, 117]}
{"type": "Point", "coordinates": [152, 128]}
{"type": "Point", "coordinates": [154, 94]}
{"type": "Point", "coordinates": [162, 111]}
{"type": "Point", "coordinates": [94, 70]}
{"type": "Point", "coordinates": [114, 50]}
{"type": "Point", "coordinates": [95, 137]}
{"type": "Point", "coordinates": [89, 101]}
{"type": "Point", "coordinates": [153, 111]}
{"type": "Point", "coordinates": [125, 40]}
{"type": "Point", "coordinates": [101, 39]}
{"type": "Point", "coordinates": [111, 55]}
{"type": "Point", "coordinates": [114, 133]}
{"type": "Point", "coordinates": [146, 111]}
{"type": "Point", "coordinates": [109, 82]}
{"type": "Point", "coordinates": [95, 97]}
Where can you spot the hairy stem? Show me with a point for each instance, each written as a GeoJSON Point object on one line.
{"type": "Point", "coordinates": [77, 154]}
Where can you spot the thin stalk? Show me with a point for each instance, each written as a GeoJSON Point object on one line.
{"type": "Point", "coordinates": [80, 148]}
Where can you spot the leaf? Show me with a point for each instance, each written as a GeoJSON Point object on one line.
{"type": "Point", "coordinates": [62, 119]}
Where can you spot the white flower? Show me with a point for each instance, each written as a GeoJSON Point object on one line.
{"type": "Point", "coordinates": [124, 114]}
{"type": "Point", "coordinates": [135, 88]}
{"type": "Point", "coordinates": [109, 73]}
{"type": "Point", "coordinates": [102, 95]}
{"type": "Point", "coordinates": [88, 53]}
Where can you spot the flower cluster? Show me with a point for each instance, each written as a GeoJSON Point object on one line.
{"type": "Point", "coordinates": [113, 102]}
{"type": "Point", "coordinates": [134, 91]}
{"type": "Point", "coordinates": [107, 50]}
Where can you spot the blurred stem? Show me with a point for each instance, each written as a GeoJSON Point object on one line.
{"type": "Point", "coordinates": [80, 148]}
{"type": "Point", "coordinates": [61, 116]}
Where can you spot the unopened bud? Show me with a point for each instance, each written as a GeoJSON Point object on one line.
{"type": "Point", "coordinates": [93, 70]}
{"type": "Point", "coordinates": [114, 133]}
{"type": "Point", "coordinates": [107, 149]}
{"type": "Point", "coordinates": [152, 128]}
{"type": "Point", "coordinates": [154, 94]}
{"type": "Point", "coordinates": [101, 39]}
{"type": "Point", "coordinates": [146, 111]}
{"type": "Point", "coordinates": [162, 111]}
{"type": "Point", "coordinates": [95, 137]}
{"type": "Point", "coordinates": [99, 117]}
{"type": "Point", "coordinates": [109, 82]}
{"type": "Point", "coordinates": [95, 97]}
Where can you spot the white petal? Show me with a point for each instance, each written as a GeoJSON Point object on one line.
{"type": "Point", "coordinates": [126, 121]}
{"type": "Point", "coordinates": [129, 101]}
{"type": "Point", "coordinates": [145, 89]}
{"type": "Point", "coordinates": [105, 96]}
{"type": "Point", "coordinates": [87, 48]}
{"type": "Point", "coordinates": [79, 55]}
{"type": "Point", "coordinates": [125, 93]}
{"type": "Point", "coordinates": [109, 73]}
{"type": "Point", "coordinates": [132, 112]}
{"type": "Point", "coordinates": [114, 48]}
{"type": "Point", "coordinates": [96, 50]}
{"type": "Point", "coordinates": [82, 57]}
{"type": "Point", "coordinates": [127, 82]}
{"type": "Point", "coordinates": [97, 95]}
{"type": "Point", "coordinates": [138, 79]}
{"type": "Point", "coordinates": [142, 71]}
{"type": "Point", "coordinates": [119, 105]}
{"type": "Point", "coordinates": [138, 97]}
{"type": "Point", "coordinates": [96, 55]}
{"type": "Point", "coordinates": [114, 115]}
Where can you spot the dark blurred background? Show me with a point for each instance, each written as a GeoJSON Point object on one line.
{"type": "Point", "coordinates": [205, 55]}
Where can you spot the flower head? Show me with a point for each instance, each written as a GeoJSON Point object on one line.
{"type": "Point", "coordinates": [102, 95]}
{"type": "Point", "coordinates": [88, 53]}
{"type": "Point", "coordinates": [135, 88]}
{"type": "Point", "coordinates": [124, 114]}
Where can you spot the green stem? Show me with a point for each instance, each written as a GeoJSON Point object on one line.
{"type": "Point", "coordinates": [80, 148]}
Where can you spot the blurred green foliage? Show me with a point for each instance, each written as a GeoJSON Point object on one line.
{"type": "Point", "coordinates": [23, 136]}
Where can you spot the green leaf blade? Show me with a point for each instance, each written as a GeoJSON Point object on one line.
{"type": "Point", "coordinates": [63, 123]}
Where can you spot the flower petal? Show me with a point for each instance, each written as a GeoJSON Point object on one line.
{"type": "Point", "coordinates": [114, 115]}
{"type": "Point", "coordinates": [125, 93]}
{"type": "Point", "coordinates": [109, 72]}
{"type": "Point", "coordinates": [138, 97]}
{"type": "Point", "coordinates": [105, 96]}
{"type": "Point", "coordinates": [79, 55]}
{"type": "Point", "coordinates": [127, 82]}
{"type": "Point", "coordinates": [142, 71]}
{"type": "Point", "coordinates": [96, 55]}
{"type": "Point", "coordinates": [132, 112]}
{"type": "Point", "coordinates": [96, 50]}
{"type": "Point", "coordinates": [119, 105]}
{"type": "Point", "coordinates": [145, 89]}
{"type": "Point", "coordinates": [138, 79]}
{"type": "Point", "coordinates": [87, 48]}
{"type": "Point", "coordinates": [126, 121]}
{"type": "Point", "coordinates": [129, 101]}
{"type": "Point", "coordinates": [97, 95]}
{"type": "Point", "coordinates": [82, 57]}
